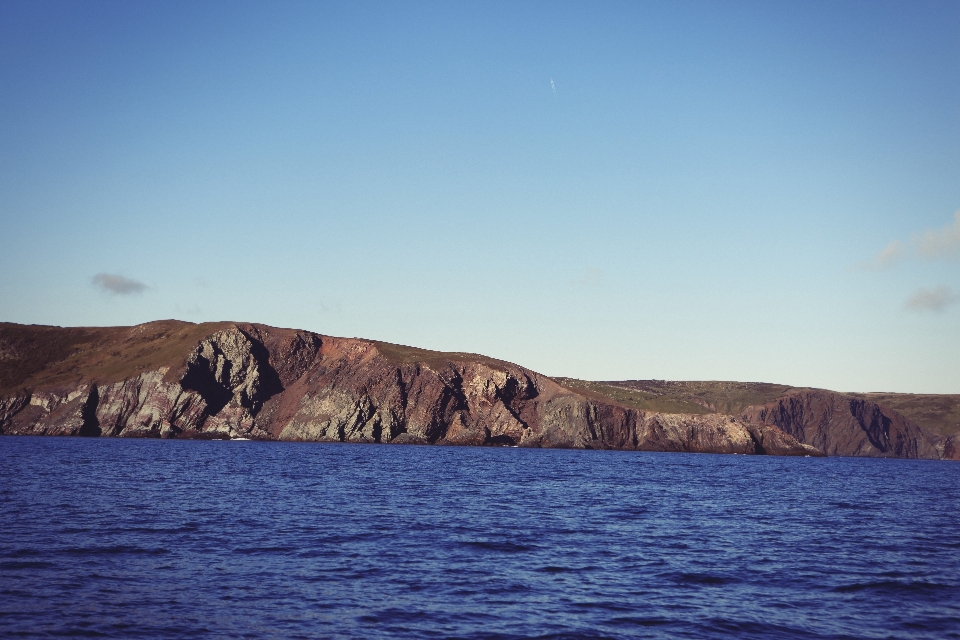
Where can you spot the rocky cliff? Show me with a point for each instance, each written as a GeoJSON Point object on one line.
{"type": "Point", "coordinates": [839, 424]}
{"type": "Point", "coordinates": [229, 380]}
{"type": "Point", "coordinates": [836, 423]}
{"type": "Point", "coordinates": [172, 379]}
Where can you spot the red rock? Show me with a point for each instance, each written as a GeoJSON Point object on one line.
{"type": "Point", "coordinates": [843, 425]}
{"type": "Point", "coordinates": [173, 379]}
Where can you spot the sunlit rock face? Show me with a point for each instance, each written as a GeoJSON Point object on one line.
{"type": "Point", "coordinates": [172, 379]}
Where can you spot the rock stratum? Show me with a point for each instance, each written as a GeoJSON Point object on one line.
{"type": "Point", "coordinates": [172, 379]}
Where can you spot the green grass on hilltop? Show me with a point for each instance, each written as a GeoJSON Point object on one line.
{"type": "Point", "coordinates": [635, 398]}
{"type": "Point", "coordinates": [715, 396]}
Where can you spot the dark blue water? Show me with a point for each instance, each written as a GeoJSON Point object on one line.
{"type": "Point", "coordinates": [153, 538]}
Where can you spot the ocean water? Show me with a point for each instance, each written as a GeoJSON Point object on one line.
{"type": "Point", "coordinates": [151, 538]}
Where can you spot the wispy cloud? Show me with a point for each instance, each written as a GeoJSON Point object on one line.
{"type": "Point", "coordinates": [118, 285]}
{"type": "Point", "coordinates": [930, 244]}
{"type": "Point", "coordinates": [553, 86]}
{"type": "Point", "coordinates": [891, 254]}
{"type": "Point", "coordinates": [936, 300]}
{"type": "Point", "coordinates": [942, 242]}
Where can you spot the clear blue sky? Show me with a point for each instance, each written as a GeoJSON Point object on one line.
{"type": "Point", "coordinates": [707, 190]}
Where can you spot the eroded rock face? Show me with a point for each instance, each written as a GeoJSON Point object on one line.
{"type": "Point", "coordinates": [949, 448]}
{"type": "Point", "coordinates": [9, 407]}
{"type": "Point", "coordinates": [146, 406]}
{"type": "Point", "coordinates": [842, 425]}
{"type": "Point", "coordinates": [252, 381]}
{"type": "Point", "coordinates": [354, 393]}
{"type": "Point", "coordinates": [142, 406]}
{"type": "Point", "coordinates": [223, 383]}
{"type": "Point", "coordinates": [772, 441]}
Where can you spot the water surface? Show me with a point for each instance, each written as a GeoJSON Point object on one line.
{"type": "Point", "coordinates": [151, 538]}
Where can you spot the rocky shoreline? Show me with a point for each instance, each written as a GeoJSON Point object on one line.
{"type": "Point", "coordinates": [172, 379]}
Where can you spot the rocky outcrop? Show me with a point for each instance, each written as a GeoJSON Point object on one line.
{"type": "Point", "coordinates": [773, 441]}
{"type": "Point", "coordinates": [949, 448]}
{"type": "Point", "coordinates": [9, 407]}
{"type": "Point", "coordinates": [234, 380]}
{"type": "Point", "coordinates": [846, 426]}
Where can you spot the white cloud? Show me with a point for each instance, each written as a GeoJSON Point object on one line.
{"type": "Point", "coordinates": [118, 285]}
{"type": "Point", "coordinates": [936, 300]}
{"type": "Point", "coordinates": [930, 244]}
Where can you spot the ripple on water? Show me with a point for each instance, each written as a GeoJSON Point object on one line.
{"type": "Point", "coordinates": [200, 539]}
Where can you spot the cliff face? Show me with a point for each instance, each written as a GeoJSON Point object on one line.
{"type": "Point", "coordinates": [226, 380]}
{"type": "Point", "coordinates": [838, 424]}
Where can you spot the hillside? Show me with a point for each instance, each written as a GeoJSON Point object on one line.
{"type": "Point", "coordinates": [175, 379]}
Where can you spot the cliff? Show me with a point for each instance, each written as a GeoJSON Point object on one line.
{"type": "Point", "coordinates": [229, 380]}
{"type": "Point", "coordinates": [874, 425]}
{"type": "Point", "coordinates": [839, 424]}
{"type": "Point", "coordinates": [173, 379]}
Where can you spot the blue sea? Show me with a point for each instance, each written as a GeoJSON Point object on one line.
{"type": "Point", "coordinates": [240, 539]}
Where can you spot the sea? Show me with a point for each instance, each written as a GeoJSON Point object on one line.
{"type": "Point", "coordinates": [241, 539]}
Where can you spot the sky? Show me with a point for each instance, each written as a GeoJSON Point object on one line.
{"type": "Point", "coordinates": [679, 190]}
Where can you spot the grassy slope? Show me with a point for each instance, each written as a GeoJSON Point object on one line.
{"type": "Point", "coordinates": [402, 354]}
{"type": "Point", "coordinates": [32, 355]}
{"type": "Point", "coordinates": [636, 398]}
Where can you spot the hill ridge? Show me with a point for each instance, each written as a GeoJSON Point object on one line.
{"type": "Point", "coordinates": [170, 378]}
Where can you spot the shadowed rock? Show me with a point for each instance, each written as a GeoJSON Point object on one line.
{"type": "Point", "coordinates": [843, 425]}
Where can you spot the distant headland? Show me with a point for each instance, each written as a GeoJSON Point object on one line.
{"type": "Point", "coordinates": [173, 379]}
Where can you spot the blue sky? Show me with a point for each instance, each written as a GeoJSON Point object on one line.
{"type": "Point", "coordinates": [707, 190]}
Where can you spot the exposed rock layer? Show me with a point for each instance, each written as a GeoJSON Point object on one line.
{"type": "Point", "coordinates": [843, 425]}
{"type": "Point", "coordinates": [230, 380]}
